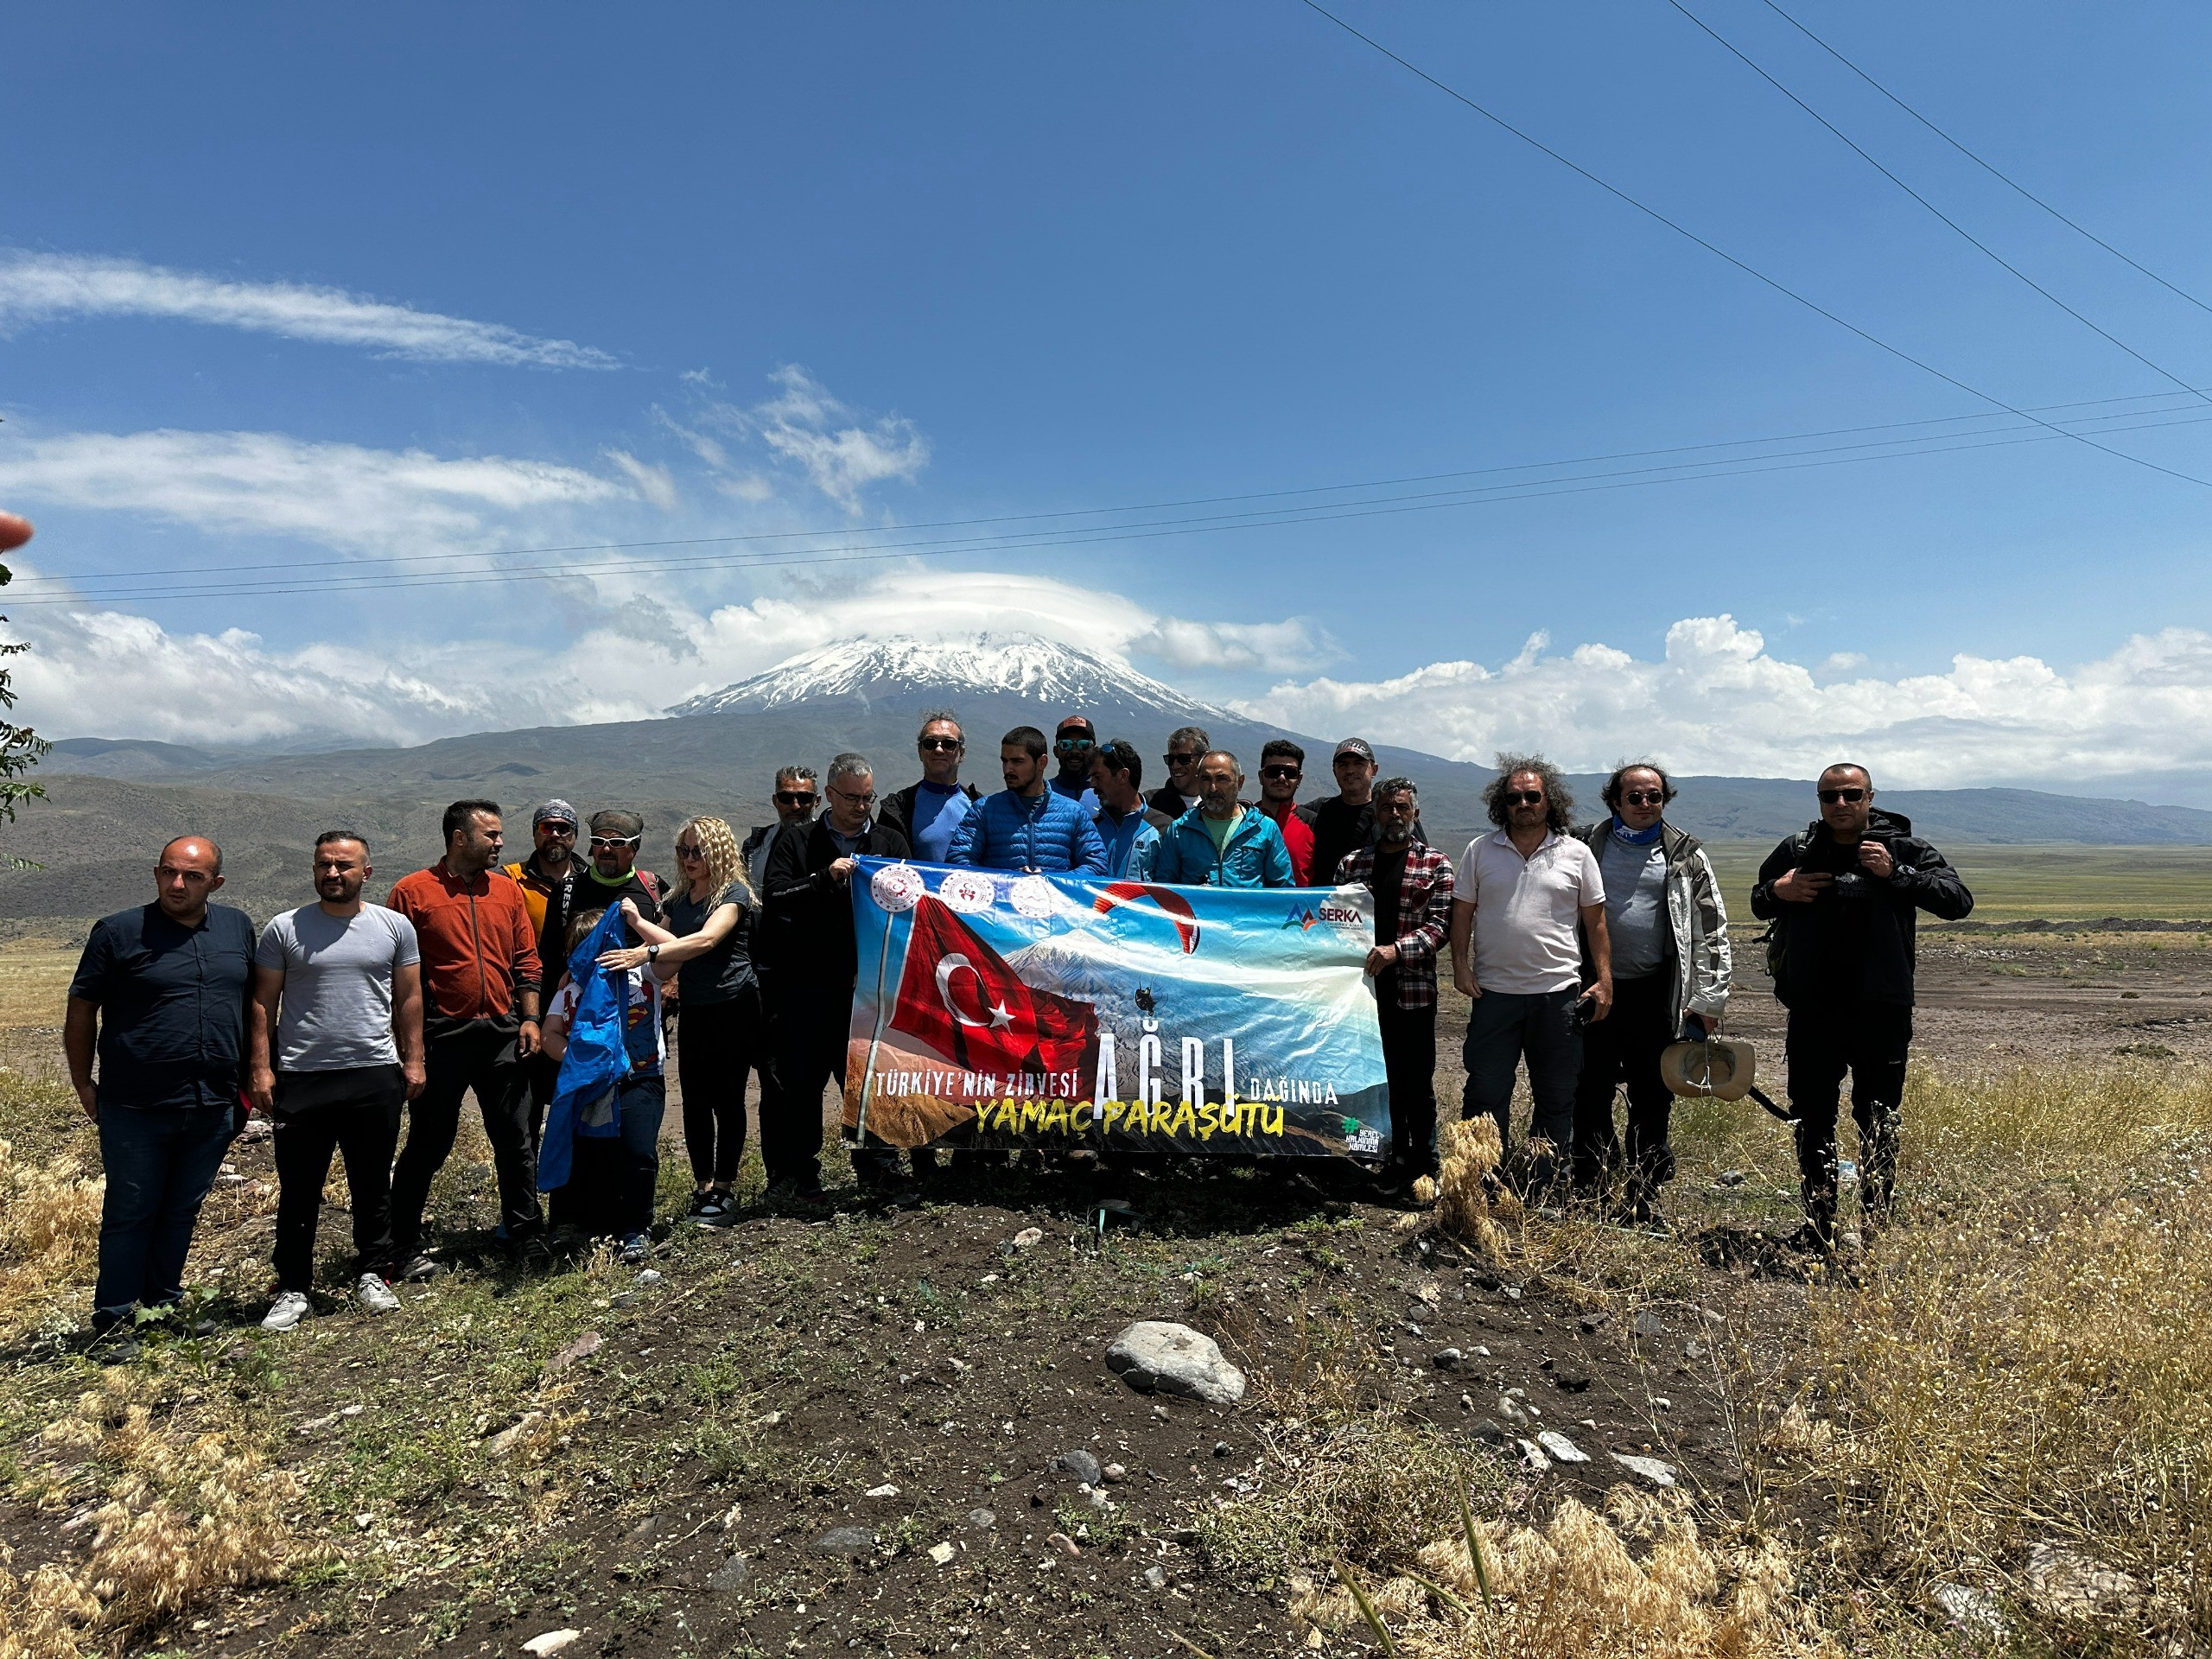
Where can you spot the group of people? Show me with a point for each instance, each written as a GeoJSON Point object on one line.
{"type": "Point", "coordinates": [357, 1028]}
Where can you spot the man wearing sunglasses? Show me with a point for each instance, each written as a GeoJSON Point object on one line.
{"type": "Point", "coordinates": [795, 799]}
{"type": "Point", "coordinates": [1669, 933]}
{"type": "Point", "coordinates": [1028, 825]}
{"type": "Point", "coordinates": [1842, 895]}
{"type": "Point", "coordinates": [548, 879]}
{"type": "Point", "coordinates": [806, 901]}
{"type": "Point", "coordinates": [928, 812]}
{"type": "Point", "coordinates": [1187, 746]}
{"type": "Point", "coordinates": [612, 875]}
{"type": "Point", "coordinates": [1074, 744]}
{"type": "Point", "coordinates": [1282, 765]}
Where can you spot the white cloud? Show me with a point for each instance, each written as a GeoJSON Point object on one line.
{"type": "Point", "coordinates": [341, 495]}
{"type": "Point", "coordinates": [1718, 702]}
{"type": "Point", "coordinates": [840, 453]}
{"type": "Point", "coordinates": [1236, 647]}
{"type": "Point", "coordinates": [654, 482]}
{"type": "Point", "coordinates": [47, 286]}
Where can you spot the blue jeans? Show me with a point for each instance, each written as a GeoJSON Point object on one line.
{"type": "Point", "coordinates": [160, 1164]}
{"type": "Point", "coordinates": [1502, 1028]}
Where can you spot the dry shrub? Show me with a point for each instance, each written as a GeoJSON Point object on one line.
{"type": "Point", "coordinates": [1470, 1153]}
{"type": "Point", "coordinates": [1575, 1591]}
{"type": "Point", "coordinates": [2024, 1367]}
{"type": "Point", "coordinates": [185, 1517]}
{"type": "Point", "coordinates": [49, 1235]}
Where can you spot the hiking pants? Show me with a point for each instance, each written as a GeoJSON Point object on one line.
{"type": "Point", "coordinates": [813, 1025]}
{"type": "Point", "coordinates": [466, 1054]}
{"type": "Point", "coordinates": [357, 1112]}
{"type": "Point", "coordinates": [160, 1162]}
{"type": "Point", "coordinates": [1624, 1048]}
{"type": "Point", "coordinates": [1868, 1040]}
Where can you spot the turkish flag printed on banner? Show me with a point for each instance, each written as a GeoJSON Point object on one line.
{"type": "Point", "coordinates": [958, 995]}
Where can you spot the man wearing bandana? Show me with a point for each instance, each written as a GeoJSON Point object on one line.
{"type": "Point", "coordinates": [1669, 934]}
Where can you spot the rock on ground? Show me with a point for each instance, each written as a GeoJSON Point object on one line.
{"type": "Point", "coordinates": [1159, 1355]}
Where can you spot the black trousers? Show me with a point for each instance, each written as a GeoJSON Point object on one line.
{"type": "Point", "coordinates": [541, 1075]}
{"type": "Point", "coordinates": [1868, 1040]}
{"type": "Point", "coordinates": [1624, 1048]}
{"type": "Point", "coordinates": [355, 1112]}
{"type": "Point", "coordinates": [1409, 1067]}
{"type": "Point", "coordinates": [717, 1043]}
{"type": "Point", "coordinates": [813, 1024]}
{"type": "Point", "coordinates": [466, 1054]}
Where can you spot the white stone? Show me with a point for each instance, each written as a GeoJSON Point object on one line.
{"type": "Point", "coordinates": [551, 1642]}
{"type": "Point", "coordinates": [1561, 1449]}
{"type": "Point", "coordinates": [942, 1553]}
{"type": "Point", "coordinates": [1658, 1473]}
{"type": "Point", "coordinates": [1027, 1237]}
{"type": "Point", "coordinates": [885, 1490]}
{"type": "Point", "coordinates": [1160, 1355]}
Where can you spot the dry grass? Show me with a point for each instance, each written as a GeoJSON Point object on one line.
{"type": "Point", "coordinates": [2017, 1395]}
{"type": "Point", "coordinates": [1575, 1589]}
{"type": "Point", "coordinates": [181, 1517]}
{"type": "Point", "coordinates": [49, 1235]}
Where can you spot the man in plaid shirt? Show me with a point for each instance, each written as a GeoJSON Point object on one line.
{"type": "Point", "coordinates": [1412, 885]}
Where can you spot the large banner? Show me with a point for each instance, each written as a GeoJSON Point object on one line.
{"type": "Point", "coordinates": [1001, 1010]}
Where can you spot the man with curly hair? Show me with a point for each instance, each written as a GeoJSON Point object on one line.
{"type": "Point", "coordinates": [1525, 898]}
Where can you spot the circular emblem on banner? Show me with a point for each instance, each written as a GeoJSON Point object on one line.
{"type": "Point", "coordinates": [896, 887]}
{"type": "Point", "coordinates": [970, 891]}
{"type": "Point", "coordinates": [1034, 897]}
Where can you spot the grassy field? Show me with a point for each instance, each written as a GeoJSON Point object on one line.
{"type": "Point", "coordinates": [2058, 884]}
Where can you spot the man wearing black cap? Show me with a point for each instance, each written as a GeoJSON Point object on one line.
{"type": "Point", "coordinates": [1074, 744]}
{"type": "Point", "coordinates": [1345, 823]}
{"type": "Point", "coordinates": [547, 878]}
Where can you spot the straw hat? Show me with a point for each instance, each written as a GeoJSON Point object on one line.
{"type": "Point", "coordinates": [1723, 1068]}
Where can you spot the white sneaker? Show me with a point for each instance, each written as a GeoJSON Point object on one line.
{"type": "Point", "coordinates": [289, 1309]}
{"type": "Point", "coordinates": [376, 1295]}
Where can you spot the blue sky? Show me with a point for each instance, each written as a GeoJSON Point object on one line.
{"type": "Point", "coordinates": [845, 267]}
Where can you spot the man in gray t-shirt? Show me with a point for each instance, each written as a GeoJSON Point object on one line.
{"type": "Point", "coordinates": [336, 1037]}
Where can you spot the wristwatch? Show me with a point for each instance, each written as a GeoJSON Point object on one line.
{"type": "Point", "coordinates": [652, 953]}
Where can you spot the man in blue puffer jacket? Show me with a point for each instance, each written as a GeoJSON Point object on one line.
{"type": "Point", "coordinates": [1028, 825]}
{"type": "Point", "coordinates": [1218, 843]}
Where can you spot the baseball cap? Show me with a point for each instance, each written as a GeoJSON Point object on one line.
{"type": "Point", "coordinates": [554, 811]}
{"type": "Point", "coordinates": [1354, 746]}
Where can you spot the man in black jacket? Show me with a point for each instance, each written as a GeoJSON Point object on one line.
{"type": "Point", "coordinates": [806, 898]}
{"type": "Point", "coordinates": [1842, 896]}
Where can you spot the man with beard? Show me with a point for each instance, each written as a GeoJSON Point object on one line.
{"type": "Point", "coordinates": [1842, 896]}
{"type": "Point", "coordinates": [336, 1029]}
{"type": "Point", "coordinates": [796, 796]}
{"type": "Point", "coordinates": [1517, 953]}
{"type": "Point", "coordinates": [481, 975]}
{"type": "Point", "coordinates": [1413, 884]}
{"type": "Point", "coordinates": [1187, 746]}
{"type": "Point", "coordinates": [1346, 821]}
{"type": "Point", "coordinates": [548, 878]}
{"type": "Point", "coordinates": [1282, 763]}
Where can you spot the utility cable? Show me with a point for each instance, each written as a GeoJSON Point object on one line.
{"type": "Point", "coordinates": [2003, 178]}
{"type": "Point", "coordinates": [1860, 151]}
{"type": "Point", "coordinates": [1720, 253]}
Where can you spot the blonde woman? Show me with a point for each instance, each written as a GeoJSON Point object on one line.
{"type": "Point", "coordinates": [720, 1034]}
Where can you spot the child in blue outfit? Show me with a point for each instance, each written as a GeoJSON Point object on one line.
{"type": "Point", "coordinates": [614, 1176]}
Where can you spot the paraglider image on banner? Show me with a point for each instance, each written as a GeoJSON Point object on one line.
{"type": "Point", "coordinates": [1005, 1010]}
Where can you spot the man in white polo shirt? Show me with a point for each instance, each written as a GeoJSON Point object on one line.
{"type": "Point", "coordinates": [1516, 903]}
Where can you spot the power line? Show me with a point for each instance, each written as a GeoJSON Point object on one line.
{"type": "Point", "coordinates": [2003, 178]}
{"type": "Point", "coordinates": [1973, 240]}
{"type": "Point", "coordinates": [1084, 537]}
{"type": "Point", "coordinates": [1750, 271]}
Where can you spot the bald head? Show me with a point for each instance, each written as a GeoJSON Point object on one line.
{"type": "Point", "coordinates": [191, 867]}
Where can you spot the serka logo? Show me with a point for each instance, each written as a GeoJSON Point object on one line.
{"type": "Point", "coordinates": [1301, 917]}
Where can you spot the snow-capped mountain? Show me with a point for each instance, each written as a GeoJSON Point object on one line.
{"type": "Point", "coordinates": [902, 668]}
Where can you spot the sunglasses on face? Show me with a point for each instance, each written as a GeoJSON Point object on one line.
{"type": "Point", "coordinates": [1830, 797]}
{"type": "Point", "coordinates": [1645, 798]}
{"type": "Point", "coordinates": [794, 797]}
{"type": "Point", "coordinates": [1180, 759]}
{"type": "Point", "coordinates": [558, 831]}
{"type": "Point", "coordinates": [1074, 745]}
{"type": "Point", "coordinates": [610, 842]}
{"type": "Point", "coordinates": [1524, 797]}
{"type": "Point", "coordinates": [683, 851]}
{"type": "Point", "coordinates": [1279, 773]}
{"type": "Point", "coordinates": [941, 745]}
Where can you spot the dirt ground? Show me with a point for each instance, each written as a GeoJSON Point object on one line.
{"type": "Point", "coordinates": [921, 1377]}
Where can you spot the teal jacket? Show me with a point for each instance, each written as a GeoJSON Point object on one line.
{"type": "Point", "coordinates": [1254, 855]}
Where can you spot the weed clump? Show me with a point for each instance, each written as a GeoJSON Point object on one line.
{"type": "Point", "coordinates": [49, 1234]}
{"type": "Point", "coordinates": [1470, 1153]}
